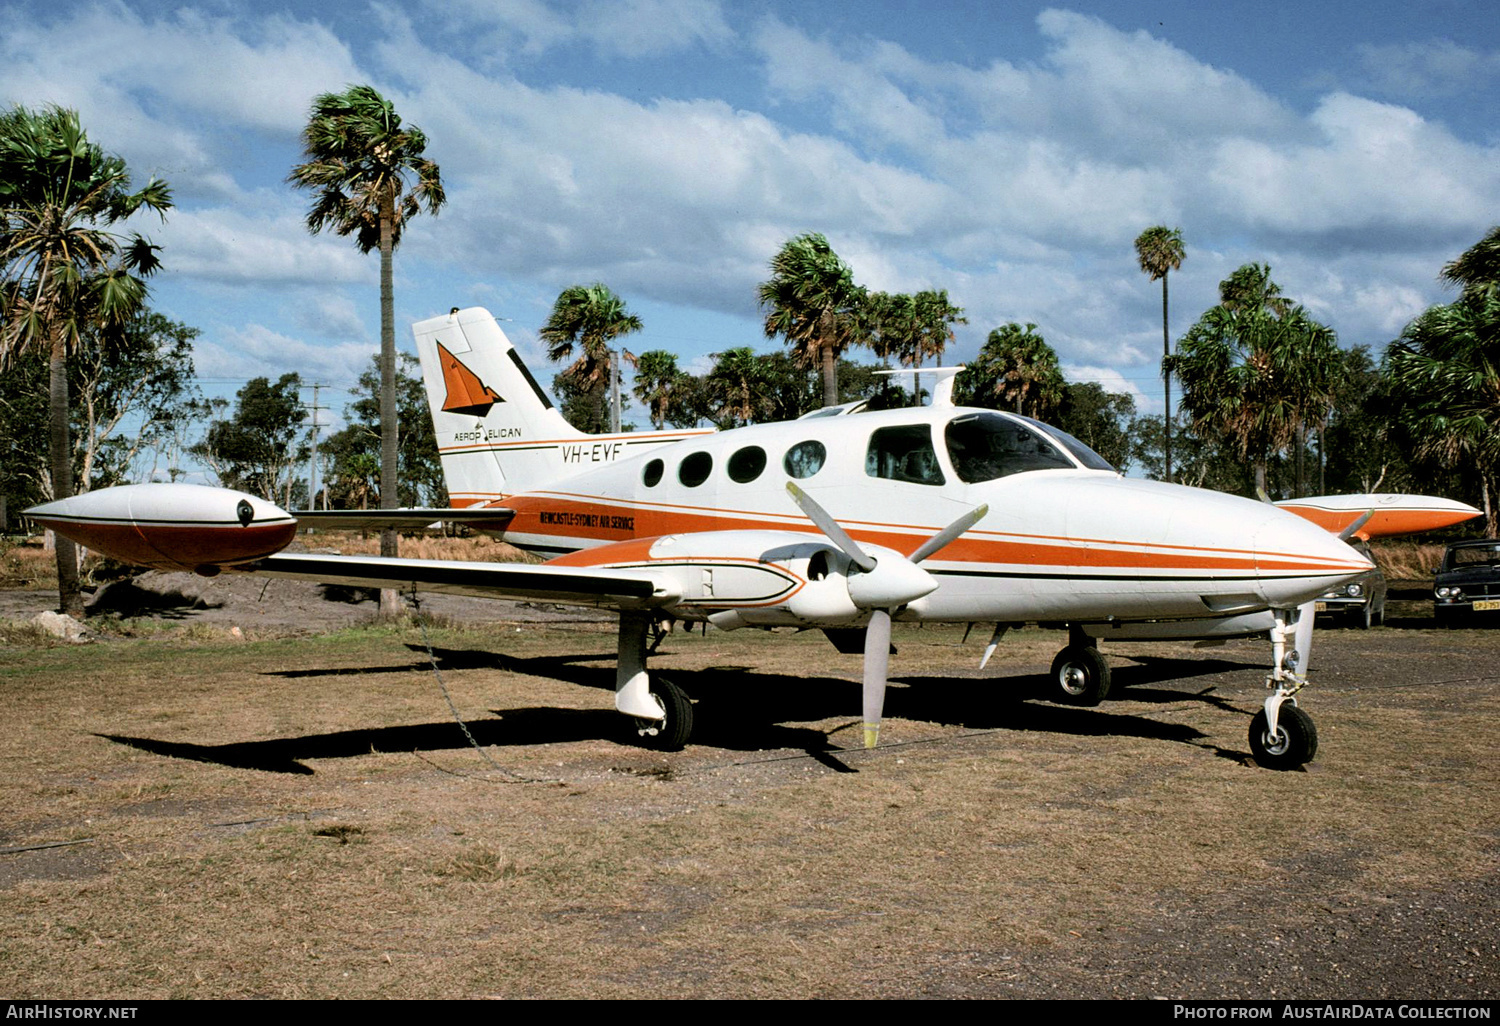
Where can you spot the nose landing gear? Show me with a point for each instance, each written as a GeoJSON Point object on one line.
{"type": "Point", "coordinates": [1282, 736]}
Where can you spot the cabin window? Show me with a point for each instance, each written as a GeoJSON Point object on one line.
{"type": "Point", "coordinates": [804, 459]}
{"type": "Point", "coordinates": [746, 464]}
{"type": "Point", "coordinates": [694, 469]}
{"type": "Point", "coordinates": [651, 476]}
{"type": "Point", "coordinates": [986, 446]}
{"type": "Point", "coordinates": [903, 453]}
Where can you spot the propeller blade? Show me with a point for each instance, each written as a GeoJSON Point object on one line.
{"type": "Point", "coordinates": [1348, 532]}
{"type": "Point", "coordinates": [836, 534]}
{"type": "Point", "coordinates": [949, 534]}
{"type": "Point", "coordinates": [877, 664]}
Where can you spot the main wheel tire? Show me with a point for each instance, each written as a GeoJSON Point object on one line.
{"type": "Point", "coordinates": [671, 734]}
{"type": "Point", "coordinates": [1295, 742]}
{"type": "Point", "coordinates": [1080, 675]}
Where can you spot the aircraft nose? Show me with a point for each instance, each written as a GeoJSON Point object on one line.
{"type": "Point", "coordinates": [1297, 561]}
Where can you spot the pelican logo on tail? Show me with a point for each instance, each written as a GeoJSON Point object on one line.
{"type": "Point", "coordinates": [465, 392]}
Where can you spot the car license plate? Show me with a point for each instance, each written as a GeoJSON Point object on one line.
{"type": "Point", "coordinates": [1482, 604]}
{"type": "Point", "coordinates": [1322, 607]}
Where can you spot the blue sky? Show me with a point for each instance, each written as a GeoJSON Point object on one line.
{"type": "Point", "coordinates": [1007, 152]}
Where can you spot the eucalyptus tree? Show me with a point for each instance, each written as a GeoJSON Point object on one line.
{"type": "Point", "coordinates": [351, 452]}
{"type": "Point", "coordinates": [1159, 250]}
{"type": "Point", "coordinates": [371, 177]}
{"type": "Point", "coordinates": [811, 300]}
{"type": "Point", "coordinates": [1016, 370]}
{"type": "Point", "coordinates": [589, 318]}
{"type": "Point", "coordinates": [1256, 369]}
{"type": "Point", "coordinates": [63, 272]}
{"type": "Point", "coordinates": [258, 447]}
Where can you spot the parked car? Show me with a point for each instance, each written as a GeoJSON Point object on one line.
{"type": "Point", "coordinates": [1467, 584]}
{"type": "Point", "coordinates": [1359, 603]}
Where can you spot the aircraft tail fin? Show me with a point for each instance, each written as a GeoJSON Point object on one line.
{"type": "Point", "coordinates": [489, 413]}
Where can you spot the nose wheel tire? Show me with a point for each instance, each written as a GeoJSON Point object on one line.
{"type": "Point", "coordinates": [671, 734]}
{"type": "Point", "coordinates": [1080, 676]}
{"type": "Point", "coordinates": [1294, 744]}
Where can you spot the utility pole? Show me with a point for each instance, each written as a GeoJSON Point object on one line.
{"type": "Point", "coordinates": [614, 391]}
{"type": "Point", "coordinates": [312, 467]}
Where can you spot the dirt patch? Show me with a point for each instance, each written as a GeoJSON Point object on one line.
{"type": "Point", "coordinates": [300, 816]}
{"type": "Point", "coordinates": [156, 601]}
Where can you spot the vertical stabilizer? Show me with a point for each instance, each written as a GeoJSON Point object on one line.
{"type": "Point", "coordinates": [488, 412]}
{"type": "Point", "coordinates": [497, 432]}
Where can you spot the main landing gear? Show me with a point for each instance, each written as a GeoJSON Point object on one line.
{"type": "Point", "coordinates": [1282, 736]}
{"type": "Point", "coordinates": [1080, 676]}
{"type": "Point", "coordinates": [661, 713]}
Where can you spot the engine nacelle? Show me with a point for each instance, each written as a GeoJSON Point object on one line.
{"type": "Point", "coordinates": [171, 526]}
{"type": "Point", "coordinates": [762, 578]}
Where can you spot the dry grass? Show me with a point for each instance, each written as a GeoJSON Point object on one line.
{"type": "Point", "coordinates": [1403, 560]}
{"type": "Point", "coordinates": [421, 546]}
{"type": "Point", "coordinates": [301, 818]}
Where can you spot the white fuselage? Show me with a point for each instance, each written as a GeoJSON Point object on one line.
{"type": "Point", "coordinates": [1066, 544]}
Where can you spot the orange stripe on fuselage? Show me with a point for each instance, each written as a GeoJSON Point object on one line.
{"type": "Point", "coordinates": [592, 519]}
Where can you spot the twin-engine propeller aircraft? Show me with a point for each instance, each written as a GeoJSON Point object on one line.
{"type": "Point", "coordinates": [845, 523]}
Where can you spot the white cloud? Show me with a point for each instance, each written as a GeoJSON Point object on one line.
{"type": "Point", "coordinates": [1435, 67]}
{"type": "Point", "coordinates": [255, 351]}
{"type": "Point", "coordinates": [628, 28]}
{"type": "Point", "coordinates": [242, 247]}
{"type": "Point", "coordinates": [1112, 381]}
{"type": "Point", "coordinates": [151, 77]}
{"type": "Point", "coordinates": [331, 315]}
{"type": "Point", "coordinates": [1017, 185]}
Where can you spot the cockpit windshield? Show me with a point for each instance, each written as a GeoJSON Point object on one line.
{"type": "Point", "coordinates": [1082, 453]}
{"type": "Point", "coordinates": [986, 446]}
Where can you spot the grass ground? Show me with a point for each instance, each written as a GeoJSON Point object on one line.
{"type": "Point", "coordinates": [303, 818]}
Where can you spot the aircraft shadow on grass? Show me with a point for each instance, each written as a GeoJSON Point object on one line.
{"type": "Point", "coordinates": [735, 710]}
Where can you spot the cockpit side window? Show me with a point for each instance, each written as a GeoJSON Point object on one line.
{"type": "Point", "coordinates": [904, 453]}
{"type": "Point", "coordinates": [986, 446]}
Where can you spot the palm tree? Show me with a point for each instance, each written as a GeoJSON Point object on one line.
{"type": "Point", "coordinates": [1477, 269]}
{"type": "Point", "coordinates": [1445, 372]}
{"type": "Point", "coordinates": [64, 273]}
{"type": "Point", "coordinates": [590, 317]}
{"type": "Point", "coordinates": [1256, 369]}
{"type": "Point", "coordinates": [911, 328]}
{"type": "Point", "coordinates": [934, 317]}
{"type": "Point", "coordinates": [1015, 368]}
{"type": "Point", "coordinates": [811, 300]}
{"type": "Point", "coordinates": [660, 385]}
{"type": "Point", "coordinates": [371, 178]}
{"type": "Point", "coordinates": [738, 389]}
{"type": "Point", "coordinates": [1159, 250]}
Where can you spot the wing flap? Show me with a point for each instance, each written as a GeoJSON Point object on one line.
{"type": "Point", "coordinates": [614, 589]}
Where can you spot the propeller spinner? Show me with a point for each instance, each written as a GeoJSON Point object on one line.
{"type": "Point", "coordinates": [882, 586]}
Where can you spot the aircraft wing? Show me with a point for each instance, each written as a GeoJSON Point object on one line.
{"type": "Point", "coordinates": [401, 519]}
{"type": "Point", "coordinates": [613, 589]}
